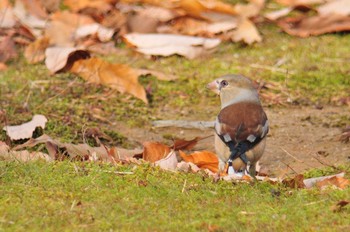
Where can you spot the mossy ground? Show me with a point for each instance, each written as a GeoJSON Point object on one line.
{"type": "Point", "coordinates": [92, 197]}
{"type": "Point", "coordinates": [314, 70]}
{"type": "Point", "coordinates": [79, 196]}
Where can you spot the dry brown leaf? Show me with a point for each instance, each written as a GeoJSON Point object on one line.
{"type": "Point", "coordinates": [309, 183]}
{"type": "Point", "coordinates": [117, 76]}
{"type": "Point", "coordinates": [62, 58]}
{"type": "Point", "coordinates": [196, 8]}
{"type": "Point", "coordinates": [103, 34]}
{"type": "Point", "coordinates": [300, 2]}
{"type": "Point", "coordinates": [316, 25]}
{"type": "Point", "coordinates": [24, 156]}
{"type": "Point", "coordinates": [274, 15]}
{"type": "Point", "coordinates": [142, 24]}
{"type": "Point", "coordinates": [296, 182]}
{"type": "Point", "coordinates": [339, 182]}
{"type": "Point", "coordinates": [7, 49]}
{"type": "Point", "coordinates": [58, 150]}
{"type": "Point", "coordinates": [3, 66]}
{"type": "Point", "coordinates": [8, 19]}
{"type": "Point", "coordinates": [169, 162]}
{"type": "Point", "coordinates": [154, 151]}
{"type": "Point", "coordinates": [167, 45]}
{"type": "Point", "coordinates": [35, 52]}
{"type": "Point", "coordinates": [4, 4]}
{"type": "Point", "coordinates": [191, 26]}
{"type": "Point", "coordinates": [25, 130]}
{"type": "Point", "coordinates": [246, 32]}
{"type": "Point", "coordinates": [181, 144]}
{"type": "Point", "coordinates": [251, 9]}
{"type": "Point", "coordinates": [32, 23]}
{"type": "Point", "coordinates": [35, 7]}
{"type": "Point", "coordinates": [77, 5]}
{"type": "Point", "coordinates": [51, 5]}
{"type": "Point", "coordinates": [340, 7]}
{"type": "Point", "coordinates": [203, 159]}
{"type": "Point", "coordinates": [62, 27]}
{"type": "Point", "coordinates": [339, 206]}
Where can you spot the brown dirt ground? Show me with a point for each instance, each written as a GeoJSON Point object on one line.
{"type": "Point", "coordinates": [300, 138]}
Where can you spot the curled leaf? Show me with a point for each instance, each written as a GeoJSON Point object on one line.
{"type": "Point", "coordinates": [203, 159]}
{"type": "Point", "coordinates": [154, 151]}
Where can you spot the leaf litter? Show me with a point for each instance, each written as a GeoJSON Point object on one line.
{"type": "Point", "coordinates": [167, 157]}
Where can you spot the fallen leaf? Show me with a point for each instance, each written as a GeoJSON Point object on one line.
{"type": "Point", "coordinates": [61, 29]}
{"type": "Point", "coordinates": [59, 150]}
{"type": "Point", "coordinates": [169, 162]}
{"type": "Point", "coordinates": [142, 23]}
{"type": "Point", "coordinates": [167, 45]}
{"type": "Point", "coordinates": [103, 34]}
{"type": "Point", "coordinates": [251, 9]}
{"type": "Point", "coordinates": [309, 183]}
{"type": "Point", "coordinates": [7, 49]}
{"type": "Point", "coordinates": [278, 13]}
{"type": "Point", "coordinates": [33, 23]}
{"type": "Point", "coordinates": [340, 7]}
{"type": "Point", "coordinates": [78, 5]}
{"type": "Point", "coordinates": [3, 66]}
{"type": "Point", "coordinates": [339, 182]}
{"type": "Point", "coordinates": [296, 182]}
{"type": "Point", "coordinates": [299, 2]}
{"type": "Point", "coordinates": [246, 32]}
{"type": "Point", "coordinates": [35, 52]}
{"type": "Point", "coordinates": [154, 151]}
{"type": "Point", "coordinates": [181, 144]}
{"type": "Point", "coordinates": [60, 58]}
{"type": "Point", "coordinates": [203, 159]}
{"type": "Point", "coordinates": [23, 156]}
{"type": "Point", "coordinates": [339, 206]}
{"type": "Point", "coordinates": [315, 25]}
{"type": "Point", "coordinates": [8, 19]}
{"type": "Point", "coordinates": [25, 130]}
{"type": "Point", "coordinates": [117, 76]}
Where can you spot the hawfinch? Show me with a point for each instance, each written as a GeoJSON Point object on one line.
{"type": "Point", "coordinates": [241, 126]}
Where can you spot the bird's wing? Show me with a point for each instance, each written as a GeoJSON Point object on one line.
{"type": "Point", "coordinates": [244, 121]}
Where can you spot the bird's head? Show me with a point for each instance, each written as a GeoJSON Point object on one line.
{"type": "Point", "coordinates": [234, 88]}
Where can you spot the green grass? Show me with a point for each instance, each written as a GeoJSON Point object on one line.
{"type": "Point", "coordinates": [86, 196]}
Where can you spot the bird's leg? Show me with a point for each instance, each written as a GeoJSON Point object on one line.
{"type": "Point", "coordinates": [252, 171]}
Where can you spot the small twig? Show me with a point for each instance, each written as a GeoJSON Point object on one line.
{"type": "Point", "coordinates": [301, 161]}
{"type": "Point", "coordinates": [288, 166]}
{"type": "Point", "coordinates": [323, 163]}
{"type": "Point", "coordinates": [314, 202]}
{"type": "Point", "coordinates": [184, 124]}
{"type": "Point", "coordinates": [184, 186]}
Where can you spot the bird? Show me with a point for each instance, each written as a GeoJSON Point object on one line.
{"type": "Point", "coordinates": [241, 127]}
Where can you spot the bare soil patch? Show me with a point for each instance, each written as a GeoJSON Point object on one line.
{"type": "Point", "coordinates": [300, 138]}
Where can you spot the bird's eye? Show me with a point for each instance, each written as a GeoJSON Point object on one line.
{"type": "Point", "coordinates": [224, 83]}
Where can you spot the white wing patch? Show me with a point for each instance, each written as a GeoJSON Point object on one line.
{"type": "Point", "coordinates": [227, 138]}
{"type": "Point", "coordinates": [251, 138]}
{"type": "Point", "coordinates": [265, 129]}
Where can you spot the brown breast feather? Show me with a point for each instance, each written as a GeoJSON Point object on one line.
{"type": "Point", "coordinates": [242, 119]}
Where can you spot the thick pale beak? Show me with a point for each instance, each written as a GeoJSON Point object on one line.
{"type": "Point", "coordinates": [213, 86]}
